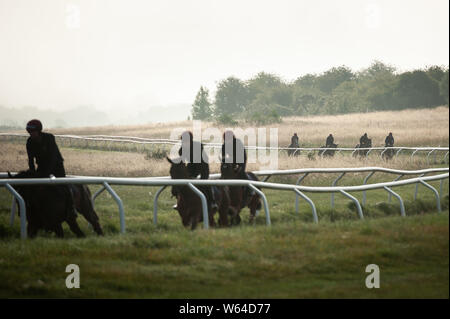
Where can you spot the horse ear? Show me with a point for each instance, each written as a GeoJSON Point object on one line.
{"type": "Point", "coordinates": [169, 160]}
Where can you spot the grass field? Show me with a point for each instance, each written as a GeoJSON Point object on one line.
{"type": "Point", "coordinates": [293, 258]}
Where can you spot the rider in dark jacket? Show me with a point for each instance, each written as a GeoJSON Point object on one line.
{"type": "Point", "coordinates": [363, 140]}
{"type": "Point", "coordinates": [294, 140]}
{"type": "Point", "coordinates": [192, 152]}
{"type": "Point", "coordinates": [389, 141]}
{"type": "Point", "coordinates": [233, 151]}
{"type": "Point", "coordinates": [330, 141]}
{"type": "Point", "coordinates": [42, 148]}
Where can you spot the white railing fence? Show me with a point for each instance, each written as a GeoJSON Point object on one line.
{"type": "Point", "coordinates": [299, 190]}
{"type": "Point", "coordinates": [153, 141]}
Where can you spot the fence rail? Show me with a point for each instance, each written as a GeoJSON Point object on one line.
{"type": "Point", "coordinates": [299, 190]}
{"type": "Point", "coordinates": [155, 141]}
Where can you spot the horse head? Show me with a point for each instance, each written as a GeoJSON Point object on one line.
{"type": "Point", "coordinates": [227, 171]}
{"type": "Point", "coordinates": [177, 169]}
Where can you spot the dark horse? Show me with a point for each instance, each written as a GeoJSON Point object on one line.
{"type": "Point", "coordinates": [189, 204]}
{"type": "Point", "coordinates": [363, 153]}
{"type": "Point", "coordinates": [327, 152]}
{"type": "Point", "coordinates": [388, 154]}
{"type": "Point", "coordinates": [48, 207]}
{"type": "Point", "coordinates": [292, 151]}
{"type": "Point", "coordinates": [240, 195]}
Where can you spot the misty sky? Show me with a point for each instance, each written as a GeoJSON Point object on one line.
{"type": "Point", "coordinates": [115, 53]}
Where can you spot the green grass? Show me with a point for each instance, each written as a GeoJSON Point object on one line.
{"type": "Point", "coordinates": [293, 258]}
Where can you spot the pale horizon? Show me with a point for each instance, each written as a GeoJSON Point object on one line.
{"type": "Point", "coordinates": [111, 55]}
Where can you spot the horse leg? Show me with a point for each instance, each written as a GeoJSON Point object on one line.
{"type": "Point", "coordinates": [31, 230]}
{"type": "Point", "coordinates": [194, 217]}
{"type": "Point", "coordinates": [252, 207]}
{"type": "Point", "coordinates": [72, 221]}
{"type": "Point", "coordinates": [224, 209]}
{"type": "Point", "coordinates": [223, 216]}
{"type": "Point", "coordinates": [59, 231]}
{"type": "Point", "coordinates": [84, 206]}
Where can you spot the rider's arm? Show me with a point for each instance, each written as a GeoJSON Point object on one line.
{"type": "Point", "coordinates": [30, 156]}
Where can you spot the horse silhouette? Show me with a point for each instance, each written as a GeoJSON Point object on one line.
{"type": "Point", "coordinates": [327, 152]}
{"type": "Point", "coordinates": [240, 195]}
{"type": "Point", "coordinates": [363, 153]}
{"type": "Point", "coordinates": [48, 206]}
{"type": "Point", "coordinates": [293, 152]}
{"type": "Point", "coordinates": [189, 204]}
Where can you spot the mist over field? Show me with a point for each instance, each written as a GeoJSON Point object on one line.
{"type": "Point", "coordinates": [16, 118]}
{"type": "Point", "coordinates": [89, 63]}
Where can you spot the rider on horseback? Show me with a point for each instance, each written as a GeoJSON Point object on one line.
{"type": "Point", "coordinates": [233, 152]}
{"type": "Point", "coordinates": [389, 141]}
{"type": "Point", "coordinates": [42, 147]}
{"type": "Point", "coordinates": [330, 141]}
{"type": "Point", "coordinates": [193, 154]}
{"type": "Point", "coordinates": [363, 141]}
{"type": "Point", "coordinates": [294, 140]}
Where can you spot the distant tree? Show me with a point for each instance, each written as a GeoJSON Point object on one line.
{"type": "Point", "coordinates": [332, 78]}
{"type": "Point", "coordinates": [263, 82]}
{"type": "Point", "coordinates": [232, 96]}
{"type": "Point", "coordinates": [306, 81]}
{"type": "Point", "coordinates": [417, 89]}
{"type": "Point", "coordinates": [377, 70]}
{"type": "Point", "coordinates": [435, 72]}
{"type": "Point", "coordinates": [201, 109]}
{"type": "Point", "coordinates": [443, 87]}
{"type": "Point", "coordinates": [307, 101]}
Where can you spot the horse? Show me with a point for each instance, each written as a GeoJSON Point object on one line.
{"type": "Point", "coordinates": [362, 153]}
{"type": "Point", "coordinates": [189, 204]}
{"type": "Point", "coordinates": [327, 152]}
{"type": "Point", "coordinates": [389, 153]}
{"type": "Point", "coordinates": [81, 197]}
{"type": "Point", "coordinates": [239, 195]}
{"type": "Point", "coordinates": [47, 207]}
{"type": "Point", "coordinates": [292, 151]}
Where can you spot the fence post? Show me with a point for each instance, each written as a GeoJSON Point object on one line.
{"type": "Point", "coordinates": [13, 211]}
{"type": "Point", "coordinates": [428, 156]}
{"type": "Point", "coordinates": [398, 152]}
{"type": "Point", "coordinates": [417, 187]}
{"type": "Point", "coordinates": [334, 184]}
{"type": "Point", "coordinates": [438, 199]}
{"type": "Point", "coordinates": [381, 155]}
{"type": "Point", "coordinates": [266, 205]}
{"type": "Point", "coordinates": [311, 203]}
{"type": "Point", "coordinates": [96, 194]}
{"type": "Point", "coordinates": [299, 180]}
{"type": "Point", "coordinates": [412, 155]}
{"type": "Point", "coordinates": [120, 204]}
{"type": "Point", "coordinates": [364, 183]}
{"type": "Point", "coordinates": [402, 206]}
{"type": "Point", "coordinates": [204, 205]}
{"type": "Point", "coordinates": [155, 204]}
{"type": "Point", "coordinates": [355, 200]}
{"type": "Point", "coordinates": [398, 177]}
{"type": "Point", "coordinates": [23, 212]}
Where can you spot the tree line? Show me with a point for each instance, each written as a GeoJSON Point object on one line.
{"type": "Point", "coordinates": [265, 98]}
